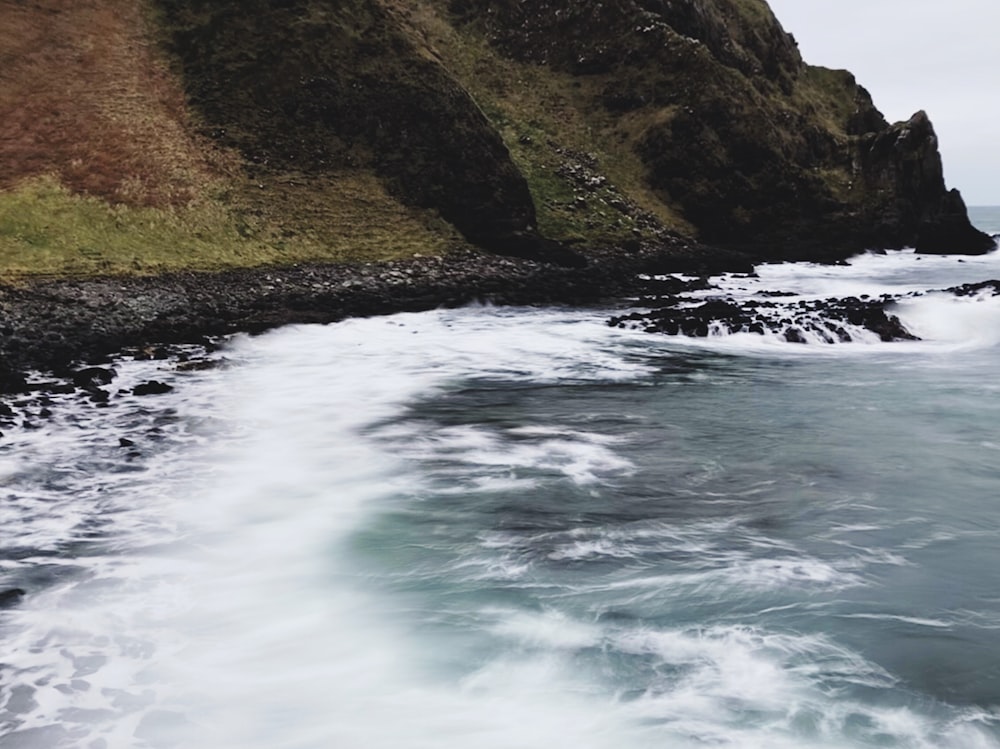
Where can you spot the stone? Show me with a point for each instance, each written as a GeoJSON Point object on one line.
{"type": "Point", "coordinates": [152, 387]}
{"type": "Point", "coordinates": [91, 377]}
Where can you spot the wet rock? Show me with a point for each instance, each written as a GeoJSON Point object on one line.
{"type": "Point", "coordinates": [695, 321]}
{"type": "Point", "coordinates": [198, 365]}
{"type": "Point", "coordinates": [58, 388]}
{"type": "Point", "coordinates": [991, 288]}
{"type": "Point", "coordinates": [795, 322]}
{"type": "Point", "coordinates": [672, 286]}
{"type": "Point", "coordinates": [794, 335]}
{"type": "Point", "coordinates": [11, 381]}
{"type": "Point", "coordinates": [152, 387]}
{"type": "Point", "coordinates": [90, 377]}
{"type": "Point", "coordinates": [151, 353]}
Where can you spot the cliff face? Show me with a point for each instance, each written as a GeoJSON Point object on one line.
{"type": "Point", "coordinates": [749, 144]}
{"type": "Point", "coordinates": [526, 127]}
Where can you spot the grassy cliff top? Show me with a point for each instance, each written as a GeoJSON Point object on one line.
{"type": "Point", "coordinates": [153, 135]}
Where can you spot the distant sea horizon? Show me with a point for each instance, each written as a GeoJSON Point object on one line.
{"type": "Point", "coordinates": [985, 218]}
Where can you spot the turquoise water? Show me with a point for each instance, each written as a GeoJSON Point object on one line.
{"type": "Point", "coordinates": [499, 527]}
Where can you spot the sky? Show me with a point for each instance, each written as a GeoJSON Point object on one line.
{"type": "Point", "coordinates": [942, 57]}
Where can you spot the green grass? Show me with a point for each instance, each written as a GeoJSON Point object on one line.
{"type": "Point", "coordinates": [46, 230]}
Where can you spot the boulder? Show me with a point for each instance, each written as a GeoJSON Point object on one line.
{"type": "Point", "coordinates": [152, 387]}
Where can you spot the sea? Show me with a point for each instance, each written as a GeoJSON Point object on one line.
{"type": "Point", "coordinates": [520, 527]}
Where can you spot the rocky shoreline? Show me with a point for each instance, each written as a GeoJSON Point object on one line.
{"type": "Point", "coordinates": [59, 326]}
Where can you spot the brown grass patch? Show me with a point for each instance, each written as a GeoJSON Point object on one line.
{"type": "Point", "coordinates": [86, 95]}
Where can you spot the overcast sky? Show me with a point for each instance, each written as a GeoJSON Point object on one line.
{"type": "Point", "coordinates": [943, 57]}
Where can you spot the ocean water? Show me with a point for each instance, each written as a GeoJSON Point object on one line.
{"type": "Point", "coordinates": [986, 218]}
{"type": "Point", "coordinates": [520, 527]}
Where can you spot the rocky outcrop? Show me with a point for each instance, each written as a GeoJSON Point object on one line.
{"type": "Point", "coordinates": [818, 321]}
{"type": "Point", "coordinates": [902, 172]}
{"type": "Point", "coordinates": [675, 308]}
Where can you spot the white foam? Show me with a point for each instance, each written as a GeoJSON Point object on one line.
{"type": "Point", "coordinates": [237, 607]}
{"type": "Point", "coordinates": [915, 620]}
{"type": "Point", "coordinates": [547, 629]}
{"type": "Point", "coordinates": [972, 321]}
{"type": "Point", "coordinates": [521, 454]}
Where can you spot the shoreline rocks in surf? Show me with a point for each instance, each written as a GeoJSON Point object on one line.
{"type": "Point", "coordinates": [830, 320]}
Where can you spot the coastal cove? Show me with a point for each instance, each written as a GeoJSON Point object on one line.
{"type": "Point", "coordinates": [510, 525]}
{"type": "Point", "coordinates": [488, 374]}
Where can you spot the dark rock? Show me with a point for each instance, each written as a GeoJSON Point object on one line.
{"type": "Point", "coordinates": [902, 164]}
{"type": "Point", "coordinates": [152, 353]}
{"type": "Point", "coordinates": [969, 289]}
{"type": "Point", "coordinates": [11, 381]}
{"type": "Point", "coordinates": [153, 387]}
{"type": "Point", "coordinates": [794, 335]}
{"type": "Point", "coordinates": [59, 388]}
{"type": "Point", "coordinates": [794, 322]}
{"type": "Point", "coordinates": [888, 327]}
{"type": "Point", "coordinates": [671, 286]}
{"type": "Point", "coordinates": [198, 365]}
{"type": "Point", "coordinates": [691, 321]}
{"type": "Point", "coordinates": [90, 377]}
{"type": "Point", "coordinates": [97, 395]}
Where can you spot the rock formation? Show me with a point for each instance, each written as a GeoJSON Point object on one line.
{"type": "Point", "coordinates": [752, 146]}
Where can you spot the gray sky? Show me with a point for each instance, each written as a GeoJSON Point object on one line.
{"type": "Point", "coordinates": [943, 57]}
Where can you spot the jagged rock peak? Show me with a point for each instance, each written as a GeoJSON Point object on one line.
{"type": "Point", "coordinates": [904, 161]}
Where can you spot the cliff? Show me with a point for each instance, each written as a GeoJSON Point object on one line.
{"type": "Point", "coordinates": [188, 134]}
{"type": "Point", "coordinates": [734, 132]}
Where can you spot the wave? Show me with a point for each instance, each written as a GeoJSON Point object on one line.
{"type": "Point", "coordinates": [250, 586]}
